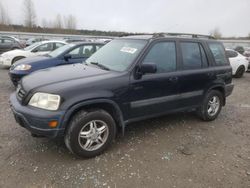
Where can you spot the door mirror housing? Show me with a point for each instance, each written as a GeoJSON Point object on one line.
{"type": "Point", "coordinates": [67, 57]}
{"type": "Point", "coordinates": [148, 68]}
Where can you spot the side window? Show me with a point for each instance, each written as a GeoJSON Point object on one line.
{"type": "Point", "coordinates": [44, 48]}
{"type": "Point", "coordinates": [98, 47]}
{"type": "Point", "coordinates": [76, 53]}
{"type": "Point", "coordinates": [191, 56]}
{"type": "Point", "coordinates": [8, 41]}
{"type": "Point", "coordinates": [204, 57]}
{"type": "Point", "coordinates": [163, 54]}
{"type": "Point", "coordinates": [88, 50]}
{"type": "Point", "coordinates": [58, 45]}
{"type": "Point", "coordinates": [218, 52]}
{"type": "Point", "coordinates": [231, 54]}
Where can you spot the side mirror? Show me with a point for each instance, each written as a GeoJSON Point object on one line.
{"type": "Point", "coordinates": [35, 50]}
{"type": "Point", "coordinates": [148, 68]}
{"type": "Point", "coordinates": [67, 57]}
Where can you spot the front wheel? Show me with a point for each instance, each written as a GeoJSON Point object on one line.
{"type": "Point", "coordinates": [211, 106]}
{"type": "Point", "coordinates": [90, 133]}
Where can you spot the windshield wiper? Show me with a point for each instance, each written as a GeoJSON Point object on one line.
{"type": "Point", "coordinates": [100, 65]}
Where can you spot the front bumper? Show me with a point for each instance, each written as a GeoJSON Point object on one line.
{"type": "Point", "coordinates": [36, 120]}
{"type": "Point", "coordinates": [229, 89]}
{"type": "Point", "coordinates": [5, 61]}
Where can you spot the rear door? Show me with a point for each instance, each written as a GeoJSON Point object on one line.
{"type": "Point", "coordinates": [158, 92]}
{"type": "Point", "coordinates": [196, 73]}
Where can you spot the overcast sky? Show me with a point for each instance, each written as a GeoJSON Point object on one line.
{"type": "Point", "coordinates": [232, 17]}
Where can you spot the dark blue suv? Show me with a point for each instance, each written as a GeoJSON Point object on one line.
{"type": "Point", "coordinates": [68, 54]}
{"type": "Point", "coordinates": [129, 79]}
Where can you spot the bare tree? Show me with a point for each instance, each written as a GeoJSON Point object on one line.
{"type": "Point", "coordinates": [4, 17]}
{"type": "Point", "coordinates": [216, 33]}
{"type": "Point", "coordinates": [58, 24]}
{"type": "Point", "coordinates": [29, 14]}
{"type": "Point", "coordinates": [70, 22]}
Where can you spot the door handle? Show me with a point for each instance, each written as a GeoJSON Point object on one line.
{"type": "Point", "coordinates": [173, 79]}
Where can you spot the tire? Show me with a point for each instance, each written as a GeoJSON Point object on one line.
{"type": "Point", "coordinates": [205, 110]}
{"type": "Point", "coordinates": [240, 71]}
{"type": "Point", "coordinates": [81, 123]}
{"type": "Point", "coordinates": [16, 59]}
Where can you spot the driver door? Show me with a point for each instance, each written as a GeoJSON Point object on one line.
{"type": "Point", "coordinates": [158, 92]}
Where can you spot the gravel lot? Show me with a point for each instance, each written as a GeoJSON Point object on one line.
{"type": "Point", "coordinates": [172, 151]}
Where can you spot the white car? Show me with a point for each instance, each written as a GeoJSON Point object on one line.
{"type": "Point", "coordinates": [38, 48]}
{"type": "Point", "coordinates": [238, 62]}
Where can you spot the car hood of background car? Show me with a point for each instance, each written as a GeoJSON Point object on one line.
{"type": "Point", "coordinates": [33, 60]}
{"type": "Point", "coordinates": [65, 74]}
{"type": "Point", "coordinates": [16, 52]}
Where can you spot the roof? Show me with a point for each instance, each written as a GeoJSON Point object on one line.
{"type": "Point", "coordinates": [49, 41]}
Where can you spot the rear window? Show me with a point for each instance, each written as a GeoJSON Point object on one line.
{"type": "Point", "coordinates": [231, 54]}
{"type": "Point", "coordinates": [218, 52]}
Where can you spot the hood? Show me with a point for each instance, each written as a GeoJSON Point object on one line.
{"type": "Point", "coordinates": [33, 60]}
{"type": "Point", "coordinates": [12, 52]}
{"type": "Point", "coordinates": [17, 52]}
{"type": "Point", "coordinates": [61, 74]}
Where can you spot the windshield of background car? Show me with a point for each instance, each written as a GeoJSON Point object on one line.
{"type": "Point", "coordinates": [32, 46]}
{"type": "Point", "coordinates": [118, 55]}
{"type": "Point", "coordinates": [60, 50]}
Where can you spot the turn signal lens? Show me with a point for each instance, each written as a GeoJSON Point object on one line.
{"type": "Point", "coordinates": [53, 124]}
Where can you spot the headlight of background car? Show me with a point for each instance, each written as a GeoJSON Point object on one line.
{"type": "Point", "coordinates": [22, 67]}
{"type": "Point", "coordinates": [45, 101]}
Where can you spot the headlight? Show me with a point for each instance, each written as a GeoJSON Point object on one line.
{"type": "Point", "coordinates": [23, 67]}
{"type": "Point", "coordinates": [45, 101]}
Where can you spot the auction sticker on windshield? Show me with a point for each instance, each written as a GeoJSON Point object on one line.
{"type": "Point", "coordinates": [128, 50]}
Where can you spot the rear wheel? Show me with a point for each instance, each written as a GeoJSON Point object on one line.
{"type": "Point", "coordinates": [240, 71]}
{"type": "Point", "coordinates": [90, 133]}
{"type": "Point", "coordinates": [211, 106]}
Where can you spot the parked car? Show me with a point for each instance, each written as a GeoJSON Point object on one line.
{"type": "Point", "coordinates": [67, 54]}
{"type": "Point", "coordinates": [9, 43]}
{"type": "Point", "coordinates": [39, 48]}
{"type": "Point", "coordinates": [34, 40]}
{"type": "Point", "coordinates": [247, 54]}
{"type": "Point", "coordinates": [127, 80]}
{"type": "Point", "coordinates": [238, 62]}
{"type": "Point", "coordinates": [239, 49]}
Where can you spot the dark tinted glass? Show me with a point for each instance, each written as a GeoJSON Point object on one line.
{"type": "Point", "coordinates": [218, 52]}
{"type": "Point", "coordinates": [191, 56]}
{"type": "Point", "coordinates": [163, 54]}
{"type": "Point", "coordinates": [231, 54]}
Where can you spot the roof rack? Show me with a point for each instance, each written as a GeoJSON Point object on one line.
{"type": "Point", "coordinates": [156, 35]}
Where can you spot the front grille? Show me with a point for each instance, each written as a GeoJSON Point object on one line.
{"type": "Point", "coordinates": [20, 93]}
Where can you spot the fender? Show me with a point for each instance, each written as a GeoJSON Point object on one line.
{"type": "Point", "coordinates": [219, 85]}
{"type": "Point", "coordinates": [73, 108]}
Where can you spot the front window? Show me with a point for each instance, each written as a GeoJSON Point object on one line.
{"type": "Point", "coordinates": [118, 55]}
{"type": "Point", "coordinates": [31, 47]}
{"type": "Point", "coordinates": [60, 50]}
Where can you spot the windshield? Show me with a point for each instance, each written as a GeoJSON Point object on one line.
{"type": "Point", "coordinates": [60, 50]}
{"type": "Point", "coordinates": [32, 46]}
{"type": "Point", "coordinates": [117, 55]}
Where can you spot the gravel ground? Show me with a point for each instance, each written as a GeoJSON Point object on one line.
{"type": "Point", "coordinates": [172, 151]}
